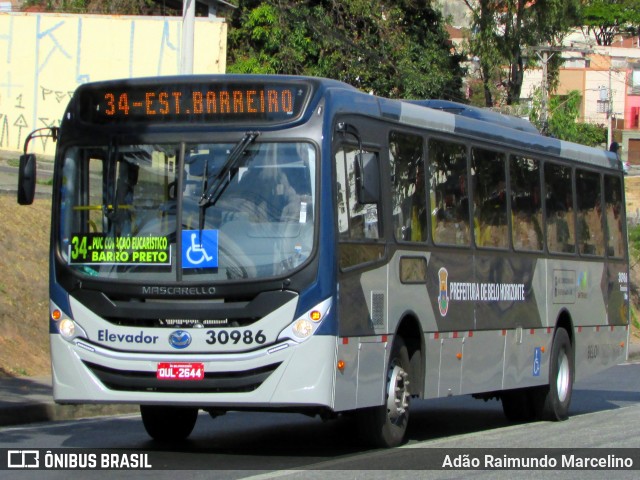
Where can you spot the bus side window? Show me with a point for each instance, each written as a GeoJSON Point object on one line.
{"type": "Point", "coordinates": [489, 198]}
{"type": "Point", "coordinates": [358, 224]}
{"type": "Point", "coordinates": [526, 207]}
{"type": "Point", "coordinates": [355, 220]}
{"type": "Point", "coordinates": [589, 212]}
{"type": "Point", "coordinates": [559, 207]}
{"type": "Point", "coordinates": [613, 216]}
{"type": "Point", "coordinates": [448, 180]}
{"type": "Point", "coordinates": [409, 188]}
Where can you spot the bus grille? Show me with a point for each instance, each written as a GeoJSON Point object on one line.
{"type": "Point", "coordinates": [213, 382]}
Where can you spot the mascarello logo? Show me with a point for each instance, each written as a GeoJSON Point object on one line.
{"type": "Point", "coordinates": [443, 296]}
{"type": "Point", "coordinates": [179, 339]}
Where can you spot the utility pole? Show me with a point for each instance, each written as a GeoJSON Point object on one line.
{"type": "Point", "coordinates": [610, 116]}
{"type": "Point", "coordinates": [545, 53]}
{"type": "Point", "coordinates": [188, 25]}
{"type": "Point", "coordinates": [544, 113]}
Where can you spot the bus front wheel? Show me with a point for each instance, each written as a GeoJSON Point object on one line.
{"type": "Point", "coordinates": [168, 423]}
{"type": "Point", "coordinates": [386, 425]}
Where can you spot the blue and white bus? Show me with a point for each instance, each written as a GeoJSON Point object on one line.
{"type": "Point", "coordinates": [292, 244]}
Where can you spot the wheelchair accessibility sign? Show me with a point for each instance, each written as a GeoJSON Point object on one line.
{"type": "Point", "coordinates": [537, 360]}
{"type": "Point", "coordinates": [199, 249]}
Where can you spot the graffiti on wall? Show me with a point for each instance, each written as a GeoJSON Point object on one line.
{"type": "Point", "coordinates": [44, 57]}
{"type": "Point", "coordinates": [15, 127]}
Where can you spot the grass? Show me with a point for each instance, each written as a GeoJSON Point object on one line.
{"type": "Point", "coordinates": [24, 291]}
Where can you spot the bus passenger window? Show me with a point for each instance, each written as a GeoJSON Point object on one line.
{"type": "Point", "coordinates": [559, 208]}
{"type": "Point", "coordinates": [526, 207]}
{"type": "Point", "coordinates": [448, 180]}
{"type": "Point", "coordinates": [489, 198]}
{"type": "Point", "coordinates": [613, 216]}
{"type": "Point", "coordinates": [589, 210]}
{"type": "Point", "coordinates": [358, 224]}
{"type": "Point", "coordinates": [409, 188]}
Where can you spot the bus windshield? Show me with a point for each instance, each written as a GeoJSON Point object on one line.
{"type": "Point", "coordinates": [189, 212]}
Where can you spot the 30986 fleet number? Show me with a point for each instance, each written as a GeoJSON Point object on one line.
{"type": "Point", "coordinates": [223, 337]}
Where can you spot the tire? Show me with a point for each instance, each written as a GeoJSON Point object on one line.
{"type": "Point", "coordinates": [386, 425]}
{"type": "Point", "coordinates": [168, 424]}
{"type": "Point", "coordinates": [552, 401]}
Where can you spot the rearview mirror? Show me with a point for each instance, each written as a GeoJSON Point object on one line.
{"type": "Point", "coordinates": [27, 179]}
{"type": "Point", "coordinates": [367, 178]}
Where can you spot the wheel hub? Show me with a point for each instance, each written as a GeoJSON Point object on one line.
{"type": "Point", "coordinates": [398, 394]}
{"type": "Point", "coordinates": [564, 377]}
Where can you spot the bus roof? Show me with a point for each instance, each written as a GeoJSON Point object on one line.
{"type": "Point", "coordinates": [438, 115]}
{"type": "Point", "coordinates": [494, 127]}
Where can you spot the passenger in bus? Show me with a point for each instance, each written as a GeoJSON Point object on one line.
{"type": "Point", "coordinates": [257, 195]}
{"type": "Point", "coordinates": [452, 225]}
{"type": "Point", "coordinates": [414, 209]}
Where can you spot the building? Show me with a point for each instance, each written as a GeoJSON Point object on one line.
{"type": "Point", "coordinates": [609, 80]}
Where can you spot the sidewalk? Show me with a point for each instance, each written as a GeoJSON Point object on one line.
{"type": "Point", "coordinates": [30, 399]}
{"type": "Point", "coordinates": [9, 173]}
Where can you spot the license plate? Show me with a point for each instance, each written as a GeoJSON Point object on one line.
{"type": "Point", "coordinates": [180, 371]}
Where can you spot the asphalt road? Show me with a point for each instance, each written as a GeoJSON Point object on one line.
{"type": "Point", "coordinates": [605, 413]}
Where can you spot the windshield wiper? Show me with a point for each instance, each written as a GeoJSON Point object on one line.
{"type": "Point", "coordinates": [212, 193]}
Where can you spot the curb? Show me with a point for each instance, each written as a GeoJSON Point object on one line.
{"type": "Point", "coordinates": [48, 412]}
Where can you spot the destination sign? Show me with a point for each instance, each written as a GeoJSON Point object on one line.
{"type": "Point", "coordinates": [194, 103]}
{"type": "Point", "coordinates": [101, 249]}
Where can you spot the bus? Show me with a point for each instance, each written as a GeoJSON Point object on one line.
{"type": "Point", "coordinates": [291, 244]}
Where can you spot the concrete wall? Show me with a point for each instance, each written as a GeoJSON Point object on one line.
{"type": "Point", "coordinates": [44, 57]}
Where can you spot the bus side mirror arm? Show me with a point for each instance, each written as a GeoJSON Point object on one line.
{"type": "Point", "coordinates": [27, 169]}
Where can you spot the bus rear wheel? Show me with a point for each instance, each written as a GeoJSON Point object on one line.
{"type": "Point", "coordinates": [168, 423]}
{"type": "Point", "coordinates": [551, 402]}
{"type": "Point", "coordinates": [386, 425]}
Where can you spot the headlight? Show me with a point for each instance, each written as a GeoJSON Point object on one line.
{"type": "Point", "coordinates": [302, 328]}
{"type": "Point", "coordinates": [305, 325]}
{"type": "Point", "coordinates": [65, 326]}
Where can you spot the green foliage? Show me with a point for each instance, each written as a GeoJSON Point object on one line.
{"type": "Point", "coordinates": [397, 49]}
{"type": "Point", "coordinates": [606, 18]}
{"type": "Point", "coordinates": [503, 30]}
{"type": "Point", "coordinates": [634, 243]}
{"type": "Point", "coordinates": [121, 7]}
{"type": "Point", "coordinates": [564, 112]}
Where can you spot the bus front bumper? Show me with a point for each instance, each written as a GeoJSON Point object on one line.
{"type": "Point", "coordinates": [284, 376]}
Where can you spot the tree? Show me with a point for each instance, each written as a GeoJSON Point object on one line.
{"type": "Point", "coordinates": [120, 7]}
{"type": "Point", "coordinates": [503, 29]}
{"type": "Point", "coordinates": [607, 18]}
{"type": "Point", "coordinates": [398, 49]}
{"type": "Point", "coordinates": [562, 122]}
